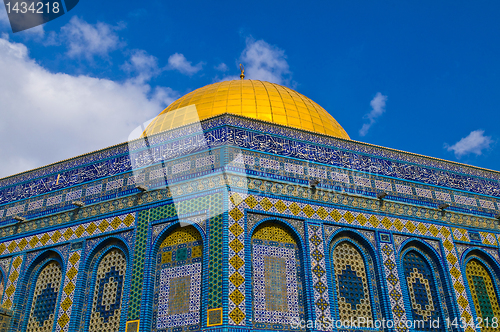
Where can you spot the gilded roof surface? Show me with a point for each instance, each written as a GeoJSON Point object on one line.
{"type": "Point", "coordinates": [254, 99]}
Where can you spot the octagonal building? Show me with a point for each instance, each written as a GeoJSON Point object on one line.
{"type": "Point", "coordinates": [245, 206]}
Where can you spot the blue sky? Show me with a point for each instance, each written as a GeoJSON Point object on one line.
{"type": "Point", "coordinates": [420, 77]}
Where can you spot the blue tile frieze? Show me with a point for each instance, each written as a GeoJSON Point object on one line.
{"type": "Point", "coordinates": [250, 140]}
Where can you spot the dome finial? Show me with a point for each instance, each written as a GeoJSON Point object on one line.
{"type": "Point", "coordinates": [242, 75]}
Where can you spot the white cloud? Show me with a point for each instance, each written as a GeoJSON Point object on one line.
{"type": "Point", "coordinates": [265, 62]}
{"type": "Point", "coordinates": [221, 67]}
{"type": "Point", "coordinates": [378, 108]}
{"type": "Point", "coordinates": [474, 143]}
{"type": "Point", "coordinates": [143, 65]}
{"type": "Point", "coordinates": [36, 32]}
{"type": "Point", "coordinates": [178, 61]}
{"type": "Point", "coordinates": [46, 117]}
{"type": "Point", "coordinates": [88, 40]}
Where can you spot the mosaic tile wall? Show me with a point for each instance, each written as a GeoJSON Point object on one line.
{"type": "Point", "coordinates": [351, 283]}
{"type": "Point", "coordinates": [369, 221]}
{"type": "Point", "coordinates": [108, 293]}
{"type": "Point", "coordinates": [14, 274]}
{"type": "Point", "coordinates": [393, 283]}
{"type": "Point", "coordinates": [484, 294]}
{"type": "Point", "coordinates": [319, 276]}
{"type": "Point", "coordinates": [177, 295]}
{"type": "Point", "coordinates": [330, 176]}
{"type": "Point", "coordinates": [211, 202]}
{"type": "Point", "coordinates": [278, 294]}
{"type": "Point", "coordinates": [65, 234]}
{"type": "Point", "coordinates": [237, 266]}
{"type": "Point", "coordinates": [68, 294]}
{"type": "Point", "coordinates": [420, 285]}
{"type": "Point", "coordinates": [60, 176]}
{"type": "Point", "coordinates": [44, 300]}
{"type": "Point", "coordinates": [338, 286]}
{"type": "Point", "coordinates": [285, 209]}
{"type": "Point", "coordinates": [354, 161]}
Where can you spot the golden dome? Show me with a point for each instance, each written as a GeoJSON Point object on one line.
{"type": "Point", "coordinates": [254, 99]}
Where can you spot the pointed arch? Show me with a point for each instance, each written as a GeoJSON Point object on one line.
{"type": "Point", "coordinates": [177, 280]}
{"type": "Point", "coordinates": [356, 286]}
{"type": "Point", "coordinates": [483, 287]}
{"type": "Point", "coordinates": [106, 271]}
{"type": "Point", "coordinates": [277, 276]}
{"type": "Point", "coordinates": [427, 287]}
{"type": "Point", "coordinates": [40, 292]}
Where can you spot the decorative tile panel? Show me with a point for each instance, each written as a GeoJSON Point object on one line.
{"type": "Point", "coordinates": [269, 163]}
{"type": "Point", "coordinates": [237, 263]}
{"type": "Point", "coordinates": [318, 173]}
{"type": "Point", "coordinates": [205, 161]}
{"type": "Point", "coordinates": [465, 200]}
{"type": "Point", "coordinates": [351, 281]}
{"type": "Point", "coordinates": [35, 204]}
{"type": "Point", "coordinates": [10, 288]}
{"type": "Point", "coordinates": [487, 204]}
{"type": "Point", "coordinates": [115, 184]}
{"type": "Point", "coordinates": [443, 196]}
{"type": "Point", "coordinates": [277, 283]}
{"type": "Point", "coordinates": [15, 210]}
{"type": "Point", "coordinates": [108, 293]}
{"type": "Point", "coordinates": [483, 293]}
{"type": "Point", "coordinates": [422, 290]}
{"type": "Point", "coordinates": [402, 189]}
{"type": "Point", "coordinates": [393, 285]}
{"type": "Point", "coordinates": [94, 190]}
{"type": "Point", "coordinates": [461, 234]}
{"type": "Point", "coordinates": [423, 192]}
{"type": "Point", "coordinates": [68, 293]}
{"type": "Point", "coordinates": [54, 200]}
{"type": "Point", "coordinates": [361, 181]}
{"type": "Point", "coordinates": [68, 233]}
{"type": "Point", "coordinates": [383, 185]}
{"type": "Point", "coordinates": [43, 304]}
{"type": "Point", "coordinates": [340, 177]}
{"type": "Point", "coordinates": [177, 297]}
{"type": "Point", "coordinates": [73, 195]}
{"type": "Point", "coordinates": [318, 268]}
{"type": "Point", "coordinates": [488, 238]}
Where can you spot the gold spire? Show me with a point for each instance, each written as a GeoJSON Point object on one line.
{"type": "Point", "coordinates": [242, 75]}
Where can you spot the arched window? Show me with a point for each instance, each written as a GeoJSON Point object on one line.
{"type": "Point", "coordinates": [277, 281]}
{"type": "Point", "coordinates": [177, 292]}
{"type": "Point", "coordinates": [484, 295]}
{"type": "Point", "coordinates": [108, 292]}
{"type": "Point", "coordinates": [352, 285]}
{"type": "Point", "coordinates": [425, 300]}
{"type": "Point", "coordinates": [44, 298]}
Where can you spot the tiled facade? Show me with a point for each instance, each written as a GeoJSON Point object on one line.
{"type": "Point", "coordinates": [230, 236]}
